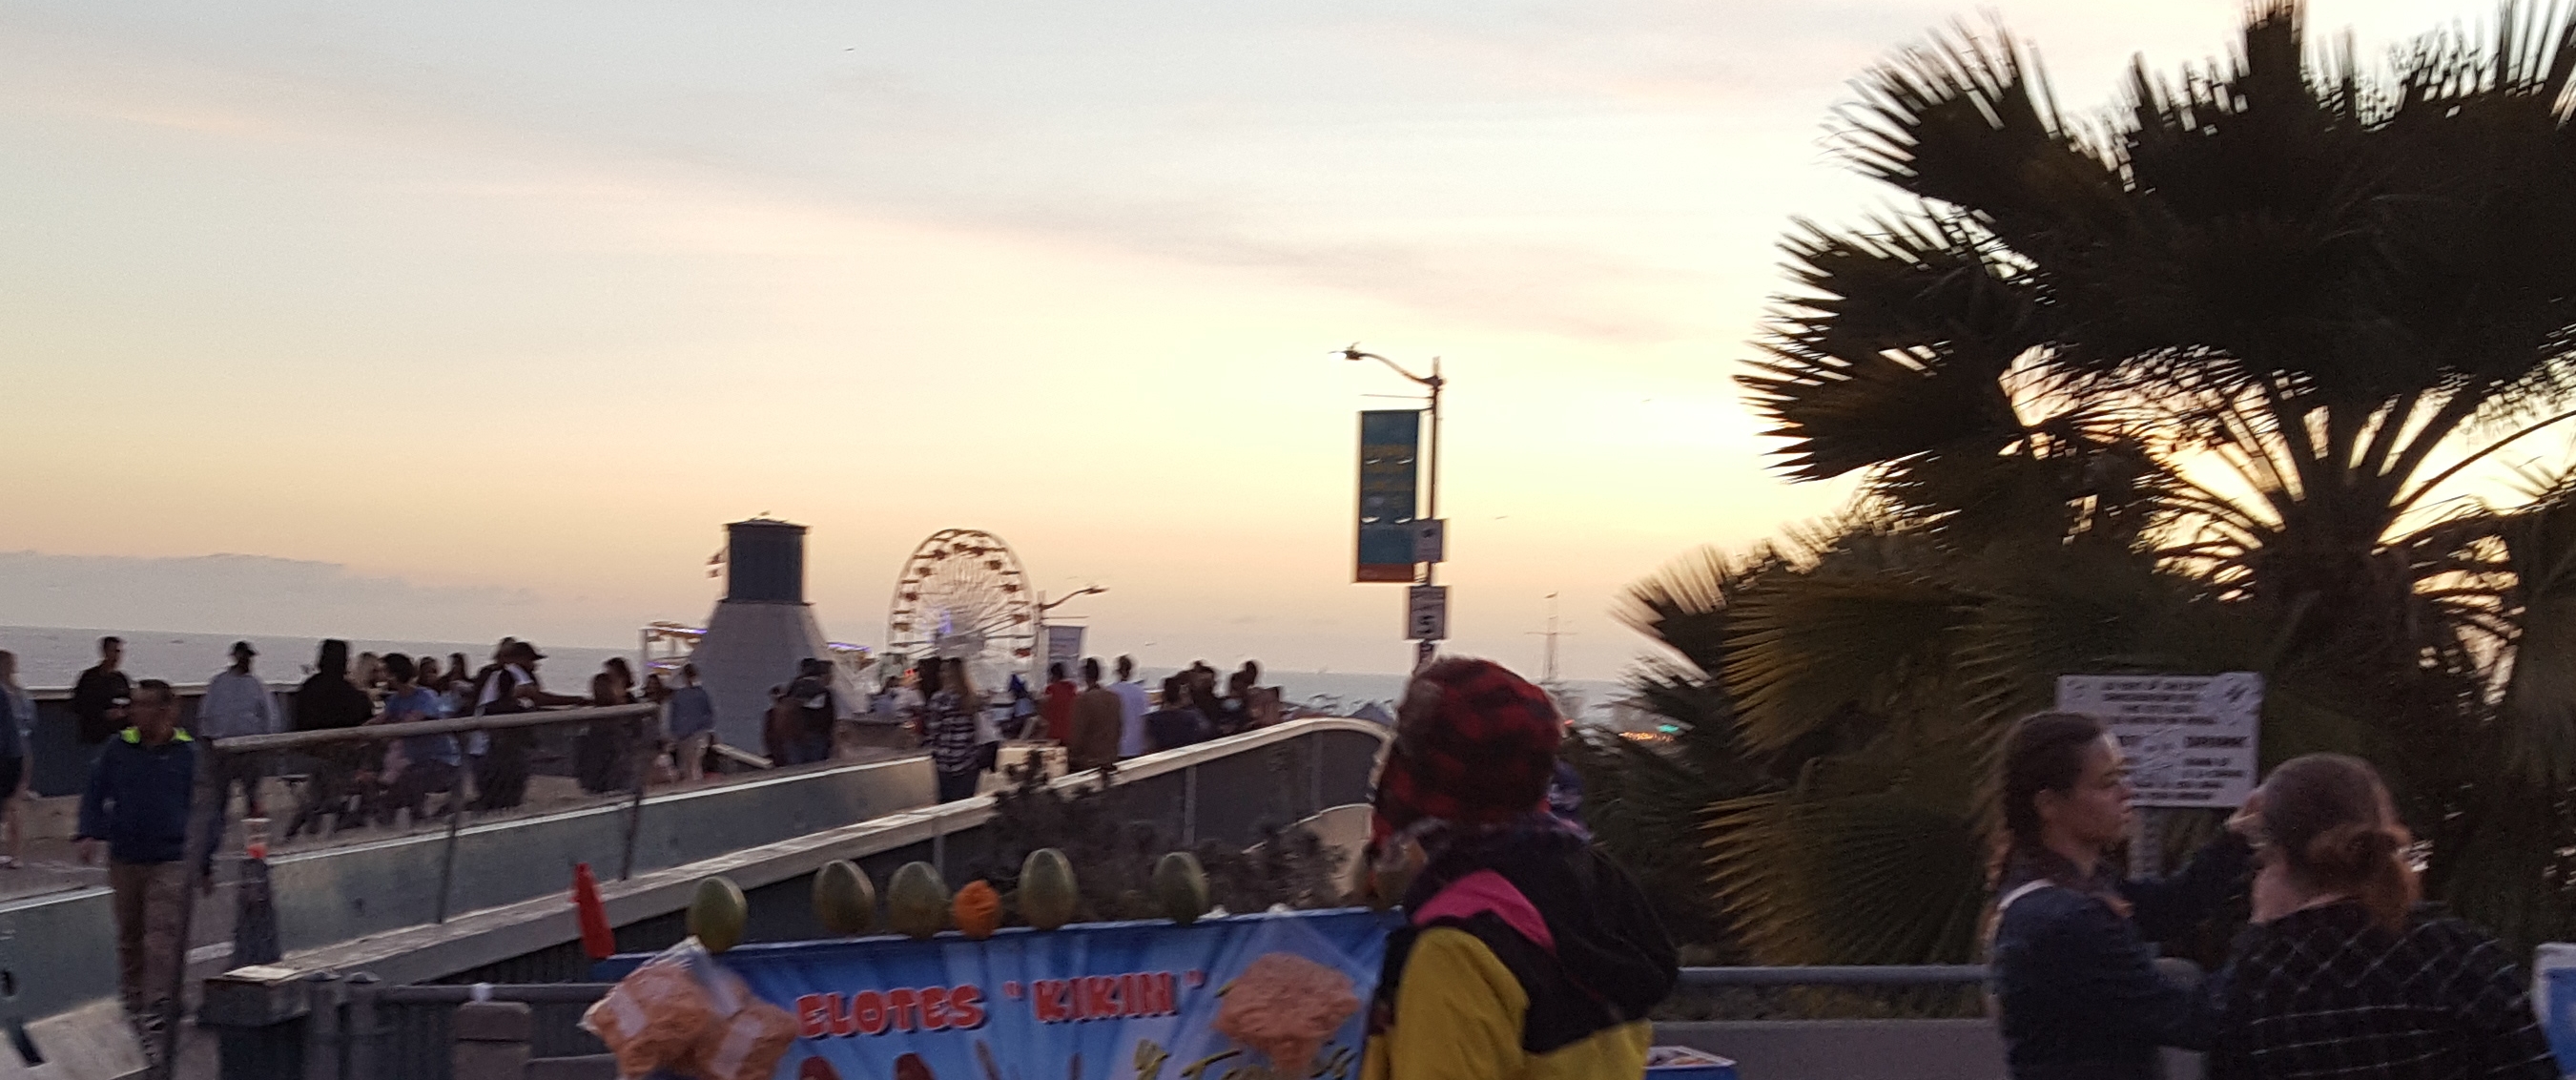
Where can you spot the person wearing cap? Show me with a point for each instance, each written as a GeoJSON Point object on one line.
{"type": "Point", "coordinates": [1525, 954]}
{"type": "Point", "coordinates": [238, 703]}
{"type": "Point", "coordinates": [512, 688]}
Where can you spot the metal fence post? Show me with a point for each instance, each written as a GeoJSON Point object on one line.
{"type": "Point", "coordinates": [447, 853]}
{"type": "Point", "coordinates": [1190, 805]}
{"type": "Point", "coordinates": [205, 815]}
{"type": "Point", "coordinates": [362, 1032]}
{"type": "Point", "coordinates": [490, 1040]}
{"type": "Point", "coordinates": [321, 1026]}
{"type": "Point", "coordinates": [1314, 774]}
{"type": "Point", "coordinates": [939, 841]}
{"type": "Point", "coordinates": [637, 757]}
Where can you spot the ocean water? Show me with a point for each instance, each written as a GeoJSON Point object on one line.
{"type": "Point", "coordinates": [52, 657]}
{"type": "Point", "coordinates": [1352, 688]}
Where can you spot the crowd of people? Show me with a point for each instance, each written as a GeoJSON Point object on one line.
{"type": "Point", "coordinates": [1097, 721]}
{"type": "Point", "coordinates": [2340, 971]}
{"type": "Point", "coordinates": [1524, 954]}
{"type": "Point", "coordinates": [142, 768]}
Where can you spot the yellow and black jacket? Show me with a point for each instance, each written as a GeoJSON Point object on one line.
{"type": "Point", "coordinates": [1525, 955]}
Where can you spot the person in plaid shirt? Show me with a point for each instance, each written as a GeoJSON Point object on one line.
{"type": "Point", "coordinates": [948, 725]}
{"type": "Point", "coordinates": [2343, 975]}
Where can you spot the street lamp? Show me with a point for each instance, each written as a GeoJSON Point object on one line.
{"type": "Point", "coordinates": [1432, 382]}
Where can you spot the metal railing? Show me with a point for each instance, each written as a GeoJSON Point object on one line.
{"type": "Point", "coordinates": [1268, 776]}
{"type": "Point", "coordinates": [1834, 975]}
{"type": "Point", "coordinates": [344, 775]}
{"type": "Point", "coordinates": [1825, 992]}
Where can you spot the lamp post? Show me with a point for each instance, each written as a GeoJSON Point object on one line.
{"type": "Point", "coordinates": [1433, 382]}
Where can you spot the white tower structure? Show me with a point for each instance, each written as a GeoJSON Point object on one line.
{"type": "Point", "coordinates": [761, 630]}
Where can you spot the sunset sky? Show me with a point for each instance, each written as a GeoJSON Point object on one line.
{"type": "Point", "coordinates": [467, 319]}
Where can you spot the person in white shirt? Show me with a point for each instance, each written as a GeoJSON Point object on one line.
{"type": "Point", "coordinates": [1131, 710]}
{"type": "Point", "coordinates": [511, 687]}
{"type": "Point", "coordinates": [238, 703]}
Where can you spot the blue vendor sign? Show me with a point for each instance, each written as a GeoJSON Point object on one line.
{"type": "Point", "coordinates": [1095, 1001]}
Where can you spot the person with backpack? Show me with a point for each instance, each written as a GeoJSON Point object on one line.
{"type": "Point", "coordinates": [1525, 952]}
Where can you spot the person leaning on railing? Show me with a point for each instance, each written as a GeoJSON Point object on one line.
{"type": "Point", "coordinates": [428, 763]}
{"type": "Point", "coordinates": [510, 686]}
{"type": "Point", "coordinates": [2075, 978]}
{"type": "Point", "coordinates": [326, 701]}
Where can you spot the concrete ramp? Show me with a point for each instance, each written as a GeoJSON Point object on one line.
{"type": "Point", "coordinates": [59, 944]}
{"type": "Point", "coordinates": [1228, 790]}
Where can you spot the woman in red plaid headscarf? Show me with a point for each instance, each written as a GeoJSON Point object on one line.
{"type": "Point", "coordinates": [1526, 953]}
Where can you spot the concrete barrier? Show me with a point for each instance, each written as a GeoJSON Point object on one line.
{"type": "Point", "coordinates": [1223, 790]}
{"type": "Point", "coordinates": [59, 942]}
{"type": "Point", "coordinates": [90, 1043]}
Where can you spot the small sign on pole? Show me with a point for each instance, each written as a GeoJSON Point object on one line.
{"type": "Point", "coordinates": [1064, 646]}
{"type": "Point", "coordinates": [1431, 541]}
{"type": "Point", "coordinates": [1426, 614]}
{"type": "Point", "coordinates": [2191, 740]}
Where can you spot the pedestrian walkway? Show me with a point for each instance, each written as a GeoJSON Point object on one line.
{"type": "Point", "coordinates": [52, 866]}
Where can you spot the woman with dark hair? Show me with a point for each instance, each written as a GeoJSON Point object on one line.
{"type": "Point", "coordinates": [2075, 977]}
{"type": "Point", "coordinates": [2341, 975]}
{"type": "Point", "coordinates": [602, 761]}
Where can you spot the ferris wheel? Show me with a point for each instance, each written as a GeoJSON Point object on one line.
{"type": "Point", "coordinates": [964, 595]}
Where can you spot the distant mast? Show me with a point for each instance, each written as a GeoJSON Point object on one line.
{"type": "Point", "coordinates": [1569, 702]}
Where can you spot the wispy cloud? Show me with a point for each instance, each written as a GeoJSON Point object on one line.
{"type": "Point", "coordinates": [253, 594]}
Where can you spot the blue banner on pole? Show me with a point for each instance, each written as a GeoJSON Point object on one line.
{"type": "Point", "coordinates": [1106, 1001]}
{"type": "Point", "coordinates": [1390, 451]}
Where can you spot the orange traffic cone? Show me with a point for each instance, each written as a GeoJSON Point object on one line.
{"type": "Point", "coordinates": [596, 939]}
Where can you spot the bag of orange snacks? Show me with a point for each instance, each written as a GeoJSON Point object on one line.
{"type": "Point", "coordinates": [748, 1044]}
{"type": "Point", "coordinates": [656, 1017]}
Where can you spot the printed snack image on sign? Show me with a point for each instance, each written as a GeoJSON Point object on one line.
{"type": "Point", "coordinates": [1099, 1001]}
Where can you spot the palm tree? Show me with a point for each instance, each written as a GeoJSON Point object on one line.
{"type": "Point", "coordinates": [2196, 388]}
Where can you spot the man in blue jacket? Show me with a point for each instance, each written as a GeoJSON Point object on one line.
{"type": "Point", "coordinates": [138, 799]}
